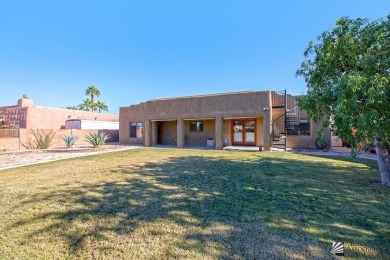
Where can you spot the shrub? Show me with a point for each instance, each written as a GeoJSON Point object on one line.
{"type": "Point", "coordinates": [97, 139]}
{"type": "Point", "coordinates": [70, 140]}
{"type": "Point", "coordinates": [41, 140]}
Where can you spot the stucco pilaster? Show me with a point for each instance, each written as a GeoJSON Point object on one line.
{"type": "Point", "coordinates": [267, 130]}
{"type": "Point", "coordinates": [148, 133]}
{"type": "Point", "coordinates": [154, 133]}
{"type": "Point", "coordinates": [180, 133]}
{"type": "Point", "coordinates": [218, 133]}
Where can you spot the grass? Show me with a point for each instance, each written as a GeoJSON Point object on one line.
{"type": "Point", "coordinates": [194, 204]}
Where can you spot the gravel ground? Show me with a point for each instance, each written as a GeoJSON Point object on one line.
{"type": "Point", "coordinates": [335, 151]}
{"type": "Point", "coordinates": [15, 159]}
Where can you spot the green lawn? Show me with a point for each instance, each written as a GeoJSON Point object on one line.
{"type": "Point", "coordinates": [194, 204]}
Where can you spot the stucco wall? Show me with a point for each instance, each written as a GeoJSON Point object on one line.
{"type": "Point", "coordinates": [305, 141]}
{"type": "Point", "coordinates": [26, 136]}
{"type": "Point", "coordinates": [227, 124]}
{"type": "Point", "coordinates": [276, 112]}
{"type": "Point", "coordinates": [54, 118]}
{"type": "Point", "coordinates": [169, 132]}
{"type": "Point", "coordinates": [9, 144]}
{"type": "Point", "coordinates": [260, 131]}
{"type": "Point", "coordinates": [200, 138]}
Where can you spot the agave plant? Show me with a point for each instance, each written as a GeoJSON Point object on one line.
{"type": "Point", "coordinates": [70, 140]}
{"type": "Point", "coordinates": [97, 139]}
{"type": "Point", "coordinates": [41, 140]}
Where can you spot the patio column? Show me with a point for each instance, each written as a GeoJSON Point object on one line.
{"type": "Point", "coordinates": [148, 133]}
{"type": "Point", "coordinates": [180, 133]}
{"type": "Point", "coordinates": [218, 133]}
{"type": "Point", "coordinates": [267, 121]}
{"type": "Point", "coordinates": [154, 133]}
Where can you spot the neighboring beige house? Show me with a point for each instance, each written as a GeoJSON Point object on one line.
{"type": "Point", "coordinates": [18, 121]}
{"type": "Point", "coordinates": [27, 115]}
{"type": "Point", "coordinates": [250, 118]}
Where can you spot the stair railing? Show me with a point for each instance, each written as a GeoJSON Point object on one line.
{"type": "Point", "coordinates": [277, 124]}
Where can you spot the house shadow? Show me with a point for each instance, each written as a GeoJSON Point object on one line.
{"type": "Point", "coordinates": [254, 208]}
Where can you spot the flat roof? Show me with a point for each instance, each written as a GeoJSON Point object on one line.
{"type": "Point", "coordinates": [211, 95]}
{"type": "Point", "coordinates": [198, 96]}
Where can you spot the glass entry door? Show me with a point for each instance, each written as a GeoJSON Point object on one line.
{"type": "Point", "coordinates": [238, 133]}
{"type": "Point", "coordinates": [244, 131]}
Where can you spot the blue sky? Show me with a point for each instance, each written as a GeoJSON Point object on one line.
{"type": "Point", "coordinates": [139, 50]}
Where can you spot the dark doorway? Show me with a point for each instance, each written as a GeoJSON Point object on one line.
{"type": "Point", "coordinates": [159, 132]}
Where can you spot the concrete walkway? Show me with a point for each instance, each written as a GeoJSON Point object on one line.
{"type": "Point", "coordinates": [335, 151]}
{"type": "Point", "coordinates": [16, 159]}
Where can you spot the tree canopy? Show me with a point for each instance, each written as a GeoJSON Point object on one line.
{"type": "Point", "coordinates": [90, 104]}
{"type": "Point", "coordinates": [101, 106]}
{"type": "Point", "coordinates": [87, 105]}
{"type": "Point", "coordinates": [92, 91]}
{"type": "Point", "coordinates": [347, 72]}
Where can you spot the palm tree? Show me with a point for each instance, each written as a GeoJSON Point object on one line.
{"type": "Point", "coordinates": [87, 105]}
{"type": "Point", "coordinates": [92, 91]}
{"type": "Point", "coordinates": [101, 106]}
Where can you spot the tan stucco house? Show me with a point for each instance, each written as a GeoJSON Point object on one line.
{"type": "Point", "coordinates": [251, 118]}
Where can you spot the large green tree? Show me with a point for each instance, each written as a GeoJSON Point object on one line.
{"type": "Point", "coordinates": [347, 72]}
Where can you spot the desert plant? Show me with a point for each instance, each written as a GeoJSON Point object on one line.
{"type": "Point", "coordinates": [41, 140]}
{"type": "Point", "coordinates": [70, 139]}
{"type": "Point", "coordinates": [97, 139]}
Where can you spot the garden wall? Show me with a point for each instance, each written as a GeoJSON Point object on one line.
{"type": "Point", "coordinates": [9, 144]}
{"type": "Point", "coordinates": [26, 136]}
{"type": "Point", "coordinates": [37, 117]}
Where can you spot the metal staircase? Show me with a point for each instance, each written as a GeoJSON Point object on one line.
{"type": "Point", "coordinates": [293, 117]}
{"type": "Point", "coordinates": [279, 133]}
{"type": "Point", "coordinates": [288, 120]}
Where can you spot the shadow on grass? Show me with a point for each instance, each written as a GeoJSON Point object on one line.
{"type": "Point", "coordinates": [258, 207]}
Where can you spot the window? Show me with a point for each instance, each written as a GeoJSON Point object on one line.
{"type": "Point", "coordinates": [304, 127]}
{"type": "Point", "coordinates": [301, 127]}
{"type": "Point", "coordinates": [136, 130]}
{"type": "Point", "coordinates": [196, 126]}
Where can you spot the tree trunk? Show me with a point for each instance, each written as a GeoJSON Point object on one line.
{"type": "Point", "coordinates": [383, 155]}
